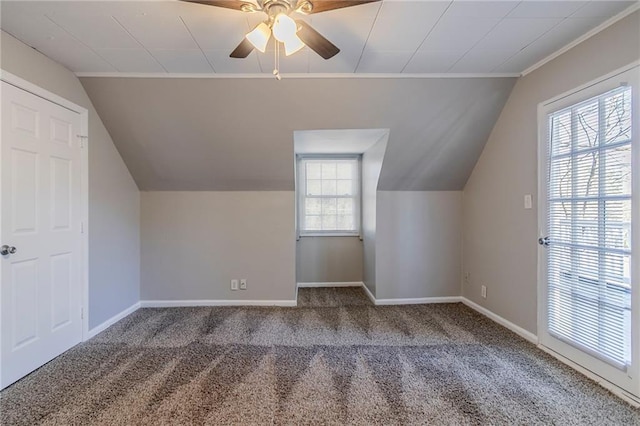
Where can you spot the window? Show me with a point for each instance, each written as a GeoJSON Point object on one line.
{"type": "Point", "coordinates": [329, 195]}
{"type": "Point", "coordinates": [589, 223]}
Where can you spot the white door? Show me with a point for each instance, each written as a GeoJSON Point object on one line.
{"type": "Point", "coordinates": [40, 231]}
{"type": "Point", "coordinates": [590, 199]}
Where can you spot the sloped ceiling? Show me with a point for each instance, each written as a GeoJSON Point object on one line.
{"type": "Point", "coordinates": [237, 134]}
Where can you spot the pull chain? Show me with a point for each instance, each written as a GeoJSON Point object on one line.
{"type": "Point", "coordinates": [276, 60]}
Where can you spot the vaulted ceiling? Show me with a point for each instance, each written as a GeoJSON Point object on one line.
{"type": "Point", "coordinates": [201, 132]}
{"type": "Point", "coordinates": [391, 36]}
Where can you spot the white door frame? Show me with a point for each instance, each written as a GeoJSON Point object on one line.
{"type": "Point", "coordinates": [589, 91]}
{"type": "Point", "coordinates": [20, 83]}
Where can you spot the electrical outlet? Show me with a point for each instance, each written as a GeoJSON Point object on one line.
{"type": "Point", "coordinates": [243, 284]}
{"type": "Point", "coordinates": [484, 291]}
{"type": "Point", "coordinates": [234, 285]}
{"type": "Point", "coordinates": [467, 277]}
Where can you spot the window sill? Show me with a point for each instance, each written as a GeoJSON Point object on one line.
{"type": "Point", "coordinates": [329, 234]}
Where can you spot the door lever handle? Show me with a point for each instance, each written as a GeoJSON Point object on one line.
{"type": "Point", "coordinates": [6, 250]}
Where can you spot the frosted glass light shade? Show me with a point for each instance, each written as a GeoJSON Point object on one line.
{"type": "Point", "coordinates": [260, 36]}
{"type": "Point", "coordinates": [292, 45]}
{"type": "Point", "coordinates": [284, 28]}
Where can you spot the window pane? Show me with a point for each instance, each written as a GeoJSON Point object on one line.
{"type": "Point", "coordinates": [345, 187]}
{"type": "Point", "coordinates": [312, 206]}
{"type": "Point", "coordinates": [328, 206]}
{"type": "Point", "coordinates": [328, 170]}
{"type": "Point", "coordinates": [314, 187]}
{"type": "Point", "coordinates": [345, 206]}
{"type": "Point", "coordinates": [345, 223]}
{"type": "Point", "coordinates": [313, 223]}
{"type": "Point", "coordinates": [618, 117]}
{"type": "Point", "coordinates": [561, 176]}
{"type": "Point", "coordinates": [617, 163]}
{"type": "Point", "coordinates": [314, 171]}
{"type": "Point", "coordinates": [345, 170]}
{"type": "Point", "coordinates": [561, 133]}
{"type": "Point", "coordinates": [328, 187]}
{"type": "Point", "coordinates": [586, 117]}
{"type": "Point", "coordinates": [586, 174]}
{"type": "Point", "coordinates": [329, 223]}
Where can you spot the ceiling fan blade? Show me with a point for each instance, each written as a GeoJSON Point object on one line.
{"type": "Point", "coordinates": [325, 5]}
{"type": "Point", "coordinates": [228, 4]}
{"type": "Point", "coordinates": [242, 51]}
{"type": "Point", "coordinates": [316, 41]}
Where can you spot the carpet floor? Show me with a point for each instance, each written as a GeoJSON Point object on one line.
{"type": "Point", "coordinates": [334, 359]}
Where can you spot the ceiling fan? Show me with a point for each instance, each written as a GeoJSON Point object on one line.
{"type": "Point", "coordinates": [294, 34]}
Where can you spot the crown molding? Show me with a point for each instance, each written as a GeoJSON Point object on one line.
{"type": "Point", "coordinates": [292, 76]}
{"type": "Point", "coordinates": [606, 24]}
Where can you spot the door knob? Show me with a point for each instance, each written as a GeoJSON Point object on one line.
{"type": "Point", "coordinates": [6, 250]}
{"type": "Point", "coordinates": [544, 241]}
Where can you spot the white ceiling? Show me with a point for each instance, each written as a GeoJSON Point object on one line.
{"type": "Point", "coordinates": [392, 36]}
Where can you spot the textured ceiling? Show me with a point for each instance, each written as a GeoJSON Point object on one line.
{"type": "Point", "coordinates": [238, 134]}
{"type": "Point", "coordinates": [396, 36]}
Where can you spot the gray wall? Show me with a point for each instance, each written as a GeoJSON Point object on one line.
{"type": "Point", "coordinates": [438, 127]}
{"type": "Point", "coordinates": [114, 199]}
{"type": "Point", "coordinates": [194, 243]}
{"type": "Point", "coordinates": [328, 259]}
{"type": "Point", "coordinates": [371, 167]}
{"type": "Point", "coordinates": [418, 244]}
{"type": "Point", "coordinates": [500, 249]}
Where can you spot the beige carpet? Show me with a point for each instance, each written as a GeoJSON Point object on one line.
{"type": "Point", "coordinates": [335, 359]}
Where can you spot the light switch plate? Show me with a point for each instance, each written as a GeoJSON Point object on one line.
{"type": "Point", "coordinates": [528, 203]}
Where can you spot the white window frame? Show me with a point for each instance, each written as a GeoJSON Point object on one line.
{"type": "Point", "coordinates": [624, 383]}
{"type": "Point", "coordinates": [301, 195]}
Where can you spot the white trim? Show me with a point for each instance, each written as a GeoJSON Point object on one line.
{"type": "Point", "coordinates": [292, 75]}
{"type": "Point", "coordinates": [619, 392]}
{"type": "Point", "coordinates": [331, 284]}
{"type": "Point", "coordinates": [418, 300]}
{"type": "Point", "coordinates": [527, 335]}
{"type": "Point", "coordinates": [27, 86]}
{"type": "Point", "coordinates": [114, 319]}
{"type": "Point", "coordinates": [209, 302]}
{"type": "Point", "coordinates": [589, 84]}
{"type": "Point", "coordinates": [369, 294]}
{"type": "Point", "coordinates": [606, 24]}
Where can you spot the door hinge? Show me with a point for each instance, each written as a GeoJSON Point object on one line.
{"type": "Point", "coordinates": [82, 227]}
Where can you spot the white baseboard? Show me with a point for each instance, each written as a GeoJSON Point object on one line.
{"type": "Point", "coordinates": [409, 301]}
{"type": "Point", "coordinates": [503, 322]}
{"type": "Point", "coordinates": [369, 294]}
{"type": "Point", "coordinates": [331, 284]}
{"type": "Point", "coordinates": [114, 319]}
{"type": "Point", "coordinates": [631, 399]}
{"type": "Point", "coordinates": [204, 302]}
{"type": "Point", "coordinates": [418, 300]}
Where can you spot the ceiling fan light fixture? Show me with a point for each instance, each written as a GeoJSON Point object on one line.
{"type": "Point", "coordinates": [260, 36]}
{"type": "Point", "coordinates": [292, 45]}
